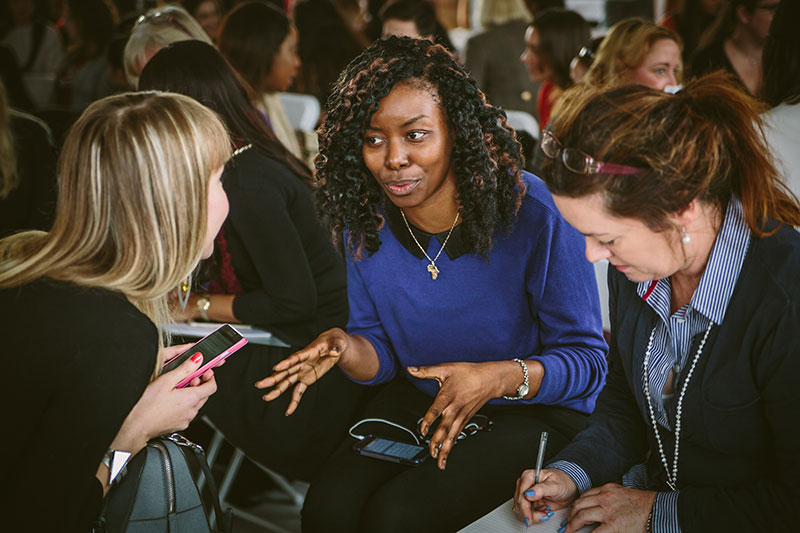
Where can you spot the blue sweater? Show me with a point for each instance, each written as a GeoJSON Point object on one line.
{"type": "Point", "coordinates": [535, 299]}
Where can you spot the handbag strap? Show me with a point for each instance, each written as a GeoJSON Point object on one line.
{"type": "Point", "coordinates": [223, 520]}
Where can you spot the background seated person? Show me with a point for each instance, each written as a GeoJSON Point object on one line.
{"type": "Point", "coordinates": [274, 266]}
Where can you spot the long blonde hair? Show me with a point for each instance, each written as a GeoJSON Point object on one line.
{"type": "Point", "coordinates": [133, 200]}
{"type": "Point", "coordinates": [9, 178]}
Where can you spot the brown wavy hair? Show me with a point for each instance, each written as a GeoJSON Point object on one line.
{"type": "Point", "coordinates": [705, 143]}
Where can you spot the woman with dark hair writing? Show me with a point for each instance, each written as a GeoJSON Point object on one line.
{"type": "Point", "coordinates": [468, 293]}
{"type": "Point", "coordinates": [698, 418]}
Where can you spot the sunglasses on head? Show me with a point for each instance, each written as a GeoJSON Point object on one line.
{"type": "Point", "coordinates": [580, 162]}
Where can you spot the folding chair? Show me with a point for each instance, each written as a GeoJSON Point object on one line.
{"type": "Point", "coordinates": [291, 502]}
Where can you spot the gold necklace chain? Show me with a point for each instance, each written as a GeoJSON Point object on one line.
{"type": "Point", "coordinates": [431, 267]}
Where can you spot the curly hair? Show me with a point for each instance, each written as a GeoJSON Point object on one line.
{"type": "Point", "coordinates": [486, 155]}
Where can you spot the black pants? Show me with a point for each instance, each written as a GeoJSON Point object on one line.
{"type": "Point", "coordinates": [354, 493]}
{"type": "Point", "coordinates": [297, 445]}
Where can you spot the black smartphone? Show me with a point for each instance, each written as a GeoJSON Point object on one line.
{"type": "Point", "coordinates": [215, 347]}
{"type": "Point", "coordinates": [391, 450]}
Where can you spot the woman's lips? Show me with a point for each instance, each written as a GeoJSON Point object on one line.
{"type": "Point", "coordinates": [401, 188]}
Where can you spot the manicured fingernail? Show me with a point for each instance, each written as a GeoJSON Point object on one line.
{"type": "Point", "coordinates": [413, 369]}
{"type": "Point", "coordinates": [444, 464]}
{"type": "Point", "coordinates": [527, 523]}
{"type": "Point", "coordinates": [547, 508]}
{"type": "Point", "coordinates": [564, 523]}
{"type": "Point", "coordinates": [561, 530]}
{"type": "Point", "coordinates": [551, 513]}
{"type": "Point", "coordinates": [544, 519]}
{"type": "Point", "coordinates": [530, 493]}
{"type": "Point", "coordinates": [196, 358]}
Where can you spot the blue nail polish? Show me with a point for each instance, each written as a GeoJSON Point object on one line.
{"type": "Point", "coordinates": [547, 508]}
{"type": "Point", "coordinates": [564, 523]}
{"type": "Point", "coordinates": [551, 513]}
{"type": "Point", "coordinates": [544, 519]}
{"type": "Point", "coordinates": [527, 523]}
{"type": "Point", "coordinates": [562, 529]}
{"type": "Point", "coordinates": [530, 493]}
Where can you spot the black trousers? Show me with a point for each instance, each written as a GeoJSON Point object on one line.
{"type": "Point", "coordinates": [297, 445]}
{"type": "Point", "coordinates": [354, 493]}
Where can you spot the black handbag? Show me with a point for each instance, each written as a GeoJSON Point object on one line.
{"type": "Point", "coordinates": [159, 492]}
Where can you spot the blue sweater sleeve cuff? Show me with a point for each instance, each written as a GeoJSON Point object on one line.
{"type": "Point", "coordinates": [578, 475]}
{"type": "Point", "coordinates": [665, 513]}
{"type": "Point", "coordinates": [555, 372]}
{"type": "Point", "coordinates": [388, 367]}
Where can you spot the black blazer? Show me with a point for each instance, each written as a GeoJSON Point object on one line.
{"type": "Point", "coordinates": [739, 465]}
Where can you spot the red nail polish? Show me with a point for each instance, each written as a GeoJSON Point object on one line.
{"type": "Point", "coordinates": [196, 358]}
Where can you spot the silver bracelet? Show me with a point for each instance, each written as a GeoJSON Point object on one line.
{"type": "Point", "coordinates": [523, 389]}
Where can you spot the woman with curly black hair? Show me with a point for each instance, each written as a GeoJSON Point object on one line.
{"type": "Point", "coordinates": [468, 294]}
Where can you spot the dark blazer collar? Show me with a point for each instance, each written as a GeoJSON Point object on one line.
{"type": "Point", "coordinates": [456, 246]}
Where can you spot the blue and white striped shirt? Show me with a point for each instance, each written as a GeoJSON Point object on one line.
{"type": "Point", "coordinates": [671, 344]}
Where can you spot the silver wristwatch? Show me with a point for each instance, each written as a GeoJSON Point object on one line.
{"type": "Point", "coordinates": [523, 389]}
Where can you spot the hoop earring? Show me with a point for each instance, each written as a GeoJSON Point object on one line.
{"type": "Point", "coordinates": [183, 292]}
{"type": "Point", "coordinates": [685, 239]}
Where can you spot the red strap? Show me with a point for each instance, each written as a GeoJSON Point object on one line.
{"type": "Point", "coordinates": [650, 289]}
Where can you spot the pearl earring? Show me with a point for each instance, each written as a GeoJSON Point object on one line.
{"type": "Point", "coordinates": [686, 239]}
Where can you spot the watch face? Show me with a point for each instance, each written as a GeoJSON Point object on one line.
{"type": "Point", "coordinates": [523, 390]}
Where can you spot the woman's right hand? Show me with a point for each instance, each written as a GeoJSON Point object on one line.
{"type": "Point", "coordinates": [163, 408]}
{"type": "Point", "coordinates": [554, 491]}
{"type": "Point", "coordinates": [305, 367]}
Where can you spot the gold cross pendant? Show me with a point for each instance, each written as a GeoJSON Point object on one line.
{"type": "Point", "coordinates": [433, 270]}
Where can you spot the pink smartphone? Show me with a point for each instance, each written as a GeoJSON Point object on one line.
{"type": "Point", "coordinates": [215, 347]}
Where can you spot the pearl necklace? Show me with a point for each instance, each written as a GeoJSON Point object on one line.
{"type": "Point", "coordinates": [672, 478]}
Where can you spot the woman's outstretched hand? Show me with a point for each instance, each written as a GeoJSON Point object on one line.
{"type": "Point", "coordinates": [464, 389]}
{"type": "Point", "coordinates": [305, 367]}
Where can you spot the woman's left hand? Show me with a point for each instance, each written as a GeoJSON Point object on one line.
{"type": "Point", "coordinates": [464, 388]}
{"type": "Point", "coordinates": [616, 508]}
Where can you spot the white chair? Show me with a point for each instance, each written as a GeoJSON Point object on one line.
{"type": "Point", "coordinates": [302, 110]}
{"type": "Point", "coordinates": [523, 121]}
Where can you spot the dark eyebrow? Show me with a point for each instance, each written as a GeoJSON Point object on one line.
{"type": "Point", "coordinates": [412, 120]}
{"type": "Point", "coordinates": [403, 125]}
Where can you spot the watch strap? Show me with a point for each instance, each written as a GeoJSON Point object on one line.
{"type": "Point", "coordinates": [523, 389]}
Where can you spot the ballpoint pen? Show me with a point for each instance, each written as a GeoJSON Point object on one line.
{"type": "Point", "coordinates": [540, 457]}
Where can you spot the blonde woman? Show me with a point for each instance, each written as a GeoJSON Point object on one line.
{"type": "Point", "coordinates": [153, 31]}
{"type": "Point", "coordinates": [140, 202]}
{"type": "Point", "coordinates": [636, 51]}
